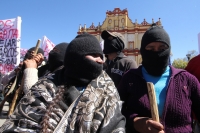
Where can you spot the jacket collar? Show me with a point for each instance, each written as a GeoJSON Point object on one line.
{"type": "Point", "coordinates": [176, 71]}
{"type": "Point", "coordinates": [120, 56]}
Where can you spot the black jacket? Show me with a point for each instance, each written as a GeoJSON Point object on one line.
{"type": "Point", "coordinates": [116, 68]}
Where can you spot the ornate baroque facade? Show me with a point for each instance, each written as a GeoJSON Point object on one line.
{"type": "Point", "coordinates": [119, 21]}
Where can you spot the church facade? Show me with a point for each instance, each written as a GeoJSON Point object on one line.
{"type": "Point", "coordinates": [119, 21]}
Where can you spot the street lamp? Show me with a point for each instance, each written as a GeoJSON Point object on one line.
{"type": "Point", "coordinates": [188, 56]}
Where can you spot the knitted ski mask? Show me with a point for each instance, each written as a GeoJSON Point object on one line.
{"type": "Point", "coordinates": [56, 56]}
{"type": "Point", "coordinates": [111, 45]}
{"type": "Point", "coordinates": [80, 70]}
{"type": "Point", "coordinates": [155, 62]}
{"type": "Point", "coordinates": [28, 54]}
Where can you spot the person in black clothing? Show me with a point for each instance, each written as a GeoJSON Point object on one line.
{"type": "Point", "coordinates": [55, 60]}
{"type": "Point", "coordinates": [10, 76]}
{"type": "Point", "coordinates": [87, 102]}
{"type": "Point", "coordinates": [54, 65]}
{"type": "Point", "coordinates": [116, 63]}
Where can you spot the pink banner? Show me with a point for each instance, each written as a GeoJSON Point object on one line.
{"type": "Point", "coordinates": [47, 46]}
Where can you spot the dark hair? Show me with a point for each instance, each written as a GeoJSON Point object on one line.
{"type": "Point", "coordinates": [55, 103]}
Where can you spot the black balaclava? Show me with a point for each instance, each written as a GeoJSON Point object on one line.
{"type": "Point", "coordinates": [28, 54]}
{"type": "Point", "coordinates": [56, 57]}
{"type": "Point", "coordinates": [79, 71]}
{"type": "Point", "coordinates": [112, 45]}
{"type": "Point", "coordinates": [155, 62]}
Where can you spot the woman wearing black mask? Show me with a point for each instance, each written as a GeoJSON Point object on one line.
{"type": "Point", "coordinates": [177, 91]}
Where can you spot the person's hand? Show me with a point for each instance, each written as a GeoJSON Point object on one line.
{"type": "Point", "coordinates": [30, 63]}
{"type": "Point", "coordinates": [39, 58]}
{"type": "Point", "coordinates": [147, 125]}
{"type": "Point", "coordinates": [34, 62]}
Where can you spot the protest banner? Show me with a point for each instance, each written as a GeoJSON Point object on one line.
{"type": "Point", "coordinates": [47, 46]}
{"type": "Point", "coordinates": [10, 39]}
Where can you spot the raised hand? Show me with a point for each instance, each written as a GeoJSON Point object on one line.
{"type": "Point", "coordinates": [34, 62]}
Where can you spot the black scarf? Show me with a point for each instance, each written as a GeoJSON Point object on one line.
{"type": "Point", "coordinates": [113, 45]}
{"type": "Point", "coordinates": [82, 72]}
{"type": "Point", "coordinates": [156, 63]}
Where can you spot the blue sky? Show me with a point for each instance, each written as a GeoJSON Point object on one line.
{"type": "Point", "coordinates": [59, 20]}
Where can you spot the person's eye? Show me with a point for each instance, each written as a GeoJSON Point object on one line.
{"type": "Point", "coordinates": [95, 55]}
{"type": "Point", "coordinates": [149, 48]}
{"type": "Point", "coordinates": [163, 48]}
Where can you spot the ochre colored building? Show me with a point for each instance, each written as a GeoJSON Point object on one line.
{"type": "Point", "coordinates": [119, 21]}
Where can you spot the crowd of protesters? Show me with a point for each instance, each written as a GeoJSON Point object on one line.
{"type": "Point", "coordinates": [77, 92]}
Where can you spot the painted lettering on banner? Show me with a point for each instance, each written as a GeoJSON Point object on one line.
{"type": "Point", "coordinates": [10, 35]}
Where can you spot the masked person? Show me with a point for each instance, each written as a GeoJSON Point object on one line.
{"type": "Point", "coordinates": [177, 91]}
{"type": "Point", "coordinates": [55, 63]}
{"type": "Point", "coordinates": [10, 75]}
{"type": "Point", "coordinates": [116, 63]}
{"type": "Point", "coordinates": [87, 101]}
{"type": "Point", "coordinates": [8, 79]}
{"type": "Point", "coordinates": [30, 73]}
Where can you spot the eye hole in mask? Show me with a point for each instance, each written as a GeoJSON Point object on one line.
{"type": "Point", "coordinates": [156, 46]}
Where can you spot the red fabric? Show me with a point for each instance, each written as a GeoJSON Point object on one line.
{"type": "Point", "coordinates": [193, 67]}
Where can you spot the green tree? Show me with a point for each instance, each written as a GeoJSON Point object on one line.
{"type": "Point", "coordinates": [179, 63]}
{"type": "Point", "coordinates": [182, 63]}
